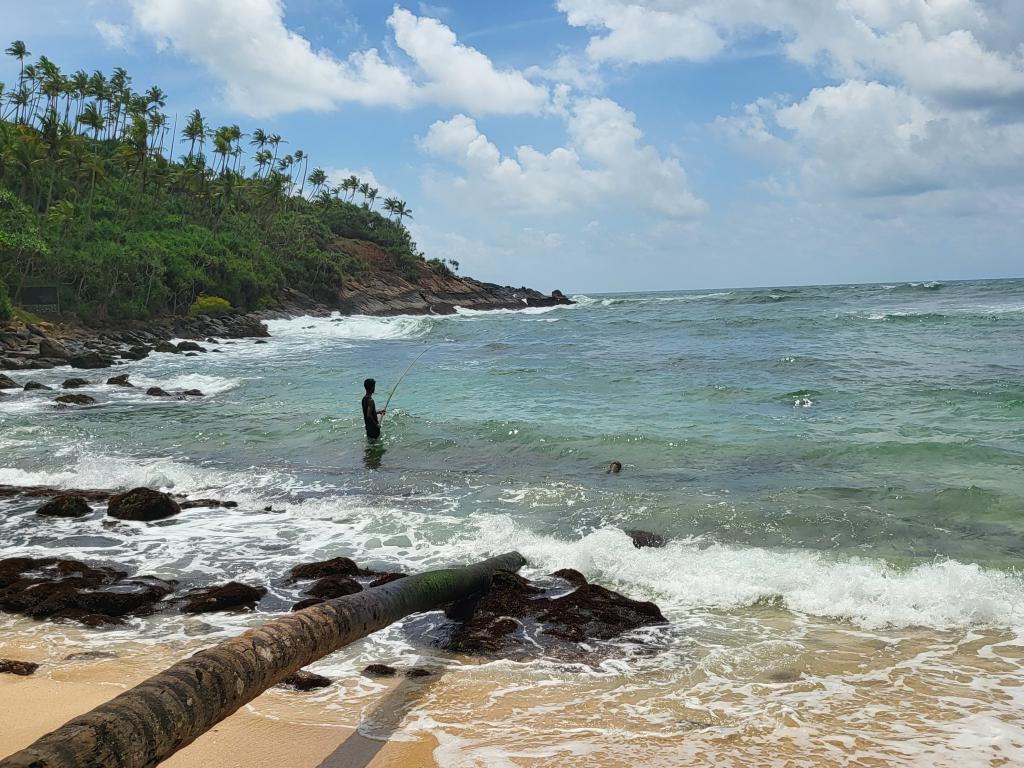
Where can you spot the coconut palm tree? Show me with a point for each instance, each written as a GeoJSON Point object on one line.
{"type": "Point", "coordinates": [371, 196]}
{"type": "Point", "coordinates": [194, 130]}
{"type": "Point", "coordinates": [18, 50]}
{"type": "Point", "coordinates": [401, 211]}
{"type": "Point", "coordinates": [317, 178]}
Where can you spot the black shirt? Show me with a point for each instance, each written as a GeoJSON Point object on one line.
{"type": "Point", "coordinates": [370, 418]}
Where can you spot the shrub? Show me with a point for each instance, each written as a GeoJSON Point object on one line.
{"type": "Point", "coordinates": [209, 305]}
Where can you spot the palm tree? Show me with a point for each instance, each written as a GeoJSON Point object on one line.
{"type": "Point", "coordinates": [194, 130]}
{"type": "Point", "coordinates": [317, 178]}
{"type": "Point", "coordinates": [390, 203]}
{"type": "Point", "coordinates": [274, 140]}
{"type": "Point", "coordinates": [91, 117]}
{"type": "Point", "coordinates": [371, 196]}
{"type": "Point", "coordinates": [401, 211]}
{"type": "Point", "coordinates": [351, 184]}
{"type": "Point", "coordinates": [18, 50]}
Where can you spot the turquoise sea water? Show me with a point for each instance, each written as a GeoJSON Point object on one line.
{"type": "Point", "coordinates": [849, 455]}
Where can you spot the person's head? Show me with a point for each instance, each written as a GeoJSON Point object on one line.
{"type": "Point", "coordinates": [370, 385]}
{"type": "Point", "coordinates": [614, 468]}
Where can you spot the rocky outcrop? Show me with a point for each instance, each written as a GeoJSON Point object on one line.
{"type": "Point", "coordinates": [331, 587]}
{"type": "Point", "coordinates": [74, 400]}
{"type": "Point", "coordinates": [54, 588]}
{"type": "Point", "coordinates": [517, 619]}
{"type": "Point", "coordinates": [8, 383]}
{"type": "Point", "coordinates": [305, 681]}
{"type": "Point", "coordinates": [222, 598]}
{"type": "Point", "coordinates": [119, 381]}
{"type": "Point", "coordinates": [20, 668]}
{"type": "Point", "coordinates": [35, 385]}
{"type": "Point", "coordinates": [338, 566]}
{"type": "Point", "coordinates": [65, 505]}
{"type": "Point", "coordinates": [90, 361]}
{"type": "Point", "coordinates": [74, 384]}
{"type": "Point", "coordinates": [645, 539]}
{"type": "Point", "coordinates": [142, 504]}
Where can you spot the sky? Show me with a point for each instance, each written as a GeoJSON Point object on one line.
{"type": "Point", "coordinates": [617, 145]}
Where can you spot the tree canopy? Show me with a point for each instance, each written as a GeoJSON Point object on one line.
{"type": "Point", "coordinates": [134, 212]}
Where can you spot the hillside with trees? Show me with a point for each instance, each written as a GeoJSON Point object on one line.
{"type": "Point", "coordinates": [135, 213]}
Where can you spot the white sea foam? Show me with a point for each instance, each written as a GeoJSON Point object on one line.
{"type": "Point", "coordinates": [353, 328]}
{"type": "Point", "coordinates": [208, 385]}
{"type": "Point", "coordinates": [689, 575]}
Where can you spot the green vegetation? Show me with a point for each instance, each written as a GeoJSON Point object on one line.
{"type": "Point", "coordinates": [209, 305]}
{"type": "Point", "coordinates": [6, 310]}
{"type": "Point", "coordinates": [99, 196]}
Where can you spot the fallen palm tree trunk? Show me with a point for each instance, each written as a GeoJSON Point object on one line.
{"type": "Point", "coordinates": [156, 718]}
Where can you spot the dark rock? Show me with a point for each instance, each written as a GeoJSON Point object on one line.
{"type": "Point", "coordinates": [222, 598]}
{"type": "Point", "coordinates": [211, 503]}
{"type": "Point", "coordinates": [387, 578]}
{"type": "Point", "coordinates": [136, 353]}
{"type": "Point", "coordinates": [74, 383]}
{"type": "Point", "coordinates": [191, 354]}
{"type": "Point", "coordinates": [338, 566]}
{"type": "Point", "coordinates": [36, 385]}
{"type": "Point", "coordinates": [119, 381]}
{"type": "Point", "coordinates": [588, 613]}
{"type": "Point", "coordinates": [331, 587]}
{"type": "Point", "coordinates": [20, 668]}
{"type": "Point", "coordinates": [157, 392]}
{"type": "Point", "coordinates": [192, 393]}
{"type": "Point", "coordinates": [190, 346]}
{"type": "Point", "coordinates": [309, 601]}
{"type": "Point", "coordinates": [51, 349]}
{"type": "Point", "coordinates": [68, 589]}
{"type": "Point", "coordinates": [259, 341]}
{"type": "Point", "coordinates": [7, 383]}
{"type": "Point", "coordinates": [142, 504]}
{"type": "Point", "coordinates": [380, 670]}
{"type": "Point", "coordinates": [305, 681]}
{"type": "Point", "coordinates": [645, 539]}
{"type": "Point", "coordinates": [418, 672]}
{"type": "Point", "coordinates": [90, 360]}
{"type": "Point", "coordinates": [65, 505]}
{"type": "Point", "coordinates": [43, 492]}
{"type": "Point", "coordinates": [211, 340]}
{"type": "Point", "coordinates": [166, 347]}
{"type": "Point", "coordinates": [75, 400]}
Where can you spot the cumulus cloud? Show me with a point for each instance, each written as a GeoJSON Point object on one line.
{"type": "Point", "coordinates": [605, 163]}
{"type": "Point", "coordinates": [267, 68]}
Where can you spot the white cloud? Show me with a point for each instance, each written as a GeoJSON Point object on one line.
{"type": "Point", "coordinates": [603, 165]}
{"type": "Point", "coordinates": [114, 35]}
{"type": "Point", "coordinates": [460, 76]}
{"type": "Point", "coordinates": [267, 68]}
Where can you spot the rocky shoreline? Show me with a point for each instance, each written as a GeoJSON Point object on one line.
{"type": "Point", "coordinates": [49, 344]}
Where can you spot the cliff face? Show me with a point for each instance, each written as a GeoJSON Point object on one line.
{"type": "Point", "coordinates": [384, 290]}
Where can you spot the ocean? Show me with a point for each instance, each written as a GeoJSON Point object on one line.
{"type": "Point", "coordinates": [839, 473]}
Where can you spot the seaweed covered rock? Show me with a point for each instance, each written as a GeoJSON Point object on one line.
{"type": "Point", "coordinates": [20, 668]}
{"type": "Point", "coordinates": [331, 587]}
{"type": "Point", "coordinates": [76, 399]}
{"type": "Point", "coordinates": [119, 381]}
{"type": "Point", "coordinates": [65, 505]}
{"type": "Point", "coordinates": [35, 385]}
{"type": "Point", "coordinates": [74, 384]}
{"type": "Point", "coordinates": [516, 618]}
{"type": "Point", "coordinates": [305, 681]}
{"type": "Point", "coordinates": [142, 504]}
{"type": "Point", "coordinates": [54, 588]}
{"type": "Point", "coordinates": [222, 598]}
{"type": "Point", "coordinates": [157, 392]}
{"type": "Point", "coordinates": [338, 566]}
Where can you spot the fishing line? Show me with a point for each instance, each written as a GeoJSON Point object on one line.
{"type": "Point", "coordinates": [404, 374]}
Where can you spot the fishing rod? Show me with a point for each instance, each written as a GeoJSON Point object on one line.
{"type": "Point", "coordinates": [404, 374]}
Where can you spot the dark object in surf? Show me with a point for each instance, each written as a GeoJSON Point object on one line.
{"type": "Point", "coordinates": [32, 385]}
{"type": "Point", "coordinates": [74, 383]}
{"type": "Point", "coordinates": [90, 656]}
{"type": "Point", "coordinates": [192, 393]}
{"type": "Point", "coordinates": [7, 382]}
{"type": "Point", "coordinates": [119, 381]}
{"type": "Point", "coordinates": [331, 587]}
{"type": "Point", "coordinates": [614, 468]}
{"type": "Point", "coordinates": [157, 392]}
{"type": "Point", "coordinates": [571, 575]}
{"type": "Point", "coordinates": [387, 578]}
{"type": "Point", "coordinates": [645, 539]}
{"type": "Point", "coordinates": [514, 607]}
{"type": "Point", "coordinates": [380, 670]}
{"type": "Point", "coordinates": [222, 598]}
{"type": "Point", "coordinates": [309, 601]}
{"type": "Point", "coordinates": [190, 346]}
{"type": "Point", "coordinates": [418, 672]}
{"type": "Point", "coordinates": [136, 353]}
{"type": "Point", "coordinates": [20, 668]}
{"type": "Point", "coordinates": [51, 588]}
{"type": "Point", "coordinates": [167, 348]}
{"type": "Point", "coordinates": [211, 503]}
{"type": "Point", "coordinates": [338, 566]}
{"type": "Point", "coordinates": [65, 505]}
{"type": "Point", "coordinates": [142, 504]}
{"type": "Point", "coordinates": [259, 341]}
{"type": "Point", "coordinates": [75, 400]}
{"type": "Point", "coordinates": [305, 681]}
{"type": "Point", "coordinates": [90, 360]}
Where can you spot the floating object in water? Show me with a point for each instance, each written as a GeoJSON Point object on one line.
{"type": "Point", "coordinates": [614, 468]}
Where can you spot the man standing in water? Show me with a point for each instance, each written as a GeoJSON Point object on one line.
{"type": "Point", "coordinates": [370, 412]}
